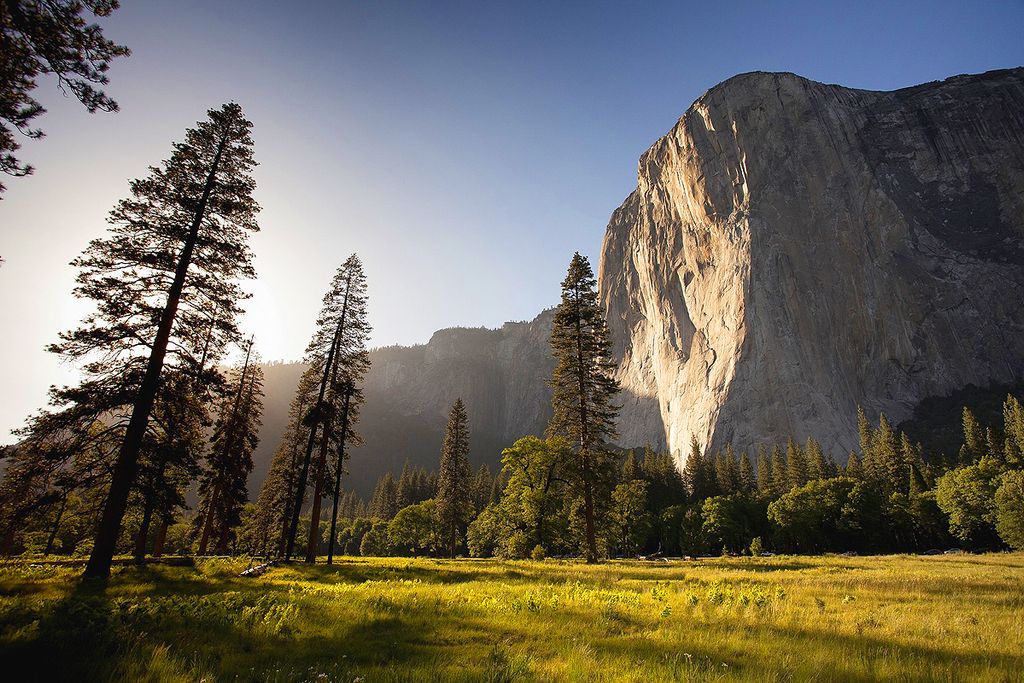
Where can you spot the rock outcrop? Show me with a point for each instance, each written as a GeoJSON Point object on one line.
{"type": "Point", "coordinates": [794, 250]}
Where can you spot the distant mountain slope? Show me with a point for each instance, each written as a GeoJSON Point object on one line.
{"type": "Point", "coordinates": [500, 374]}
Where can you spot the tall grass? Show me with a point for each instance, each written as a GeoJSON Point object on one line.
{"type": "Point", "coordinates": [948, 618]}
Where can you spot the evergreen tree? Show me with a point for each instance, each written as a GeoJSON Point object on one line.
{"type": "Point", "coordinates": [974, 439]}
{"type": "Point", "coordinates": [338, 352]}
{"type": "Point", "coordinates": [173, 255]}
{"type": "Point", "coordinates": [748, 482]}
{"type": "Point", "coordinates": [454, 483]}
{"type": "Point", "coordinates": [694, 474]}
{"type": "Point", "coordinates": [887, 468]}
{"type": "Point", "coordinates": [854, 468]}
{"type": "Point", "coordinates": [222, 488]}
{"type": "Point", "coordinates": [353, 361]}
{"type": "Point", "coordinates": [169, 459]}
{"type": "Point", "coordinates": [407, 487]}
{"type": "Point", "coordinates": [277, 495]}
{"type": "Point", "coordinates": [384, 504]}
{"type": "Point", "coordinates": [583, 388]}
{"type": "Point", "coordinates": [52, 37]}
{"type": "Point", "coordinates": [482, 484]}
{"type": "Point", "coordinates": [780, 473]}
{"type": "Point", "coordinates": [817, 463]}
{"type": "Point", "coordinates": [1013, 429]}
{"type": "Point", "coordinates": [796, 465]}
{"type": "Point", "coordinates": [764, 471]}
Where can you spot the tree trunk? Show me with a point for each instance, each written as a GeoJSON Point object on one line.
{"type": "Point", "coordinates": [300, 488]}
{"type": "Point", "coordinates": [337, 475]}
{"type": "Point", "coordinates": [318, 491]}
{"type": "Point", "coordinates": [56, 526]}
{"type": "Point", "coordinates": [143, 535]}
{"type": "Point", "coordinates": [588, 494]}
{"type": "Point", "coordinates": [161, 537]}
{"type": "Point", "coordinates": [127, 459]}
{"type": "Point", "coordinates": [211, 511]}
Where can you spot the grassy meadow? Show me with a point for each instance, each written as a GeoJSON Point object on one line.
{"type": "Point", "coordinates": [941, 618]}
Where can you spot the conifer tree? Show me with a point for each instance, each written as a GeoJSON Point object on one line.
{"type": "Point", "coordinates": [694, 473]}
{"type": "Point", "coordinates": [764, 471]}
{"type": "Point", "coordinates": [454, 485]}
{"type": "Point", "coordinates": [52, 37]}
{"type": "Point", "coordinates": [583, 388]}
{"type": "Point", "coordinates": [780, 473]}
{"type": "Point", "coordinates": [338, 352]}
{"type": "Point", "coordinates": [817, 463]}
{"type": "Point", "coordinates": [974, 439]}
{"type": "Point", "coordinates": [1013, 429]}
{"type": "Point", "coordinates": [796, 465]}
{"type": "Point", "coordinates": [854, 467]}
{"type": "Point", "coordinates": [222, 487]}
{"type": "Point", "coordinates": [384, 503]}
{"type": "Point", "coordinates": [171, 452]}
{"type": "Point", "coordinates": [748, 481]}
{"type": "Point", "coordinates": [482, 484]}
{"type": "Point", "coordinates": [174, 253]}
{"type": "Point", "coordinates": [406, 487]}
{"type": "Point", "coordinates": [277, 495]}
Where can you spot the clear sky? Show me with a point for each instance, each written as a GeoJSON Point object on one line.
{"type": "Point", "coordinates": [463, 149]}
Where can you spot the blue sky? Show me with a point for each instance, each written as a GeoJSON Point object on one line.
{"type": "Point", "coordinates": [463, 149]}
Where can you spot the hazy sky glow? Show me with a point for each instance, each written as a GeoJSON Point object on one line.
{"type": "Point", "coordinates": [463, 151]}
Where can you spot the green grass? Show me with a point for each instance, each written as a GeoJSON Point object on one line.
{"type": "Point", "coordinates": [943, 618]}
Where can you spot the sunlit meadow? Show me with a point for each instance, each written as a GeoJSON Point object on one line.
{"type": "Point", "coordinates": [949, 618]}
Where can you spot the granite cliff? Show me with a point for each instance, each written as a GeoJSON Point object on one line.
{"type": "Point", "coordinates": [793, 250]}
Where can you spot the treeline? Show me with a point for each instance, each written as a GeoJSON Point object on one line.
{"type": "Point", "coordinates": [887, 497]}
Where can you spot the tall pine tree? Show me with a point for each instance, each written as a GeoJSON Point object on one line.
{"type": "Point", "coordinates": [583, 388]}
{"type": "Point", "coordinates": [174, 253]}
{"type": "Point", "coordinates": [454, 481]}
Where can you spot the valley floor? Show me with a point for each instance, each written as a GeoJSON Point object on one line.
{"type": "Point", "coordinates": [947, 618]}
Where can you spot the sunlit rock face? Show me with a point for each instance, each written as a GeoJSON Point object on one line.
{"type": "Point", "coordinates": [794, 249]}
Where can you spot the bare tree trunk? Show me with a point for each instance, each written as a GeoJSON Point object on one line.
{"type": "Point", "coordinates": [56, 525]}
{"type": "Point", "coordinates": [208, 520]}
{"type": "Point", "coordinates": [337, 474]}
{"type": "Point", "coordinates": [300, 488]}
{"type": "Point", "coordinates": [127, 459]}
{"type": "Point", "coordinates": [318, 491]}
{"type": "Point", "coordinates": [143, 535]}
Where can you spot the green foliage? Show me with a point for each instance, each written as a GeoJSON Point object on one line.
{"type": "Point", "coordinates": [376, 541]}
{"type": "Point", "coordinates": [454, 482]}
{"type": "Point", "coordinates": [583, 388]}
{"type": "Point", "coordinates": [630, 519]}
{"type": "Point", "coordinates": [53, 37]}
{"type": "Point", "coordinates": [1009, 499]}
{"type": "Point", "coordinates": [967, 496]}
{"type": "Point", "coordinates": [414, 529]}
